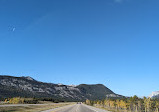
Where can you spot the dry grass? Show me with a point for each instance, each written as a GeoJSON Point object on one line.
{"type": "Point", "coordinates": [111, 110]}
{"type": "Point", "coordinates": [32, 108]}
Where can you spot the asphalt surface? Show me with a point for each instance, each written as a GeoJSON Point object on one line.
{"type": "Point", "coordinates": [76, 108]}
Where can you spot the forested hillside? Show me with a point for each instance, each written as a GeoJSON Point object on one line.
{"type": "Point", "coordinates": [28, 87]}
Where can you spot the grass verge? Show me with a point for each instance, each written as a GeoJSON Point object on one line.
{"type": "Point", "coordinates": [32, 108]}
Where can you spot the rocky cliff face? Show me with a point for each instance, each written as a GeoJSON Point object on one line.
{"type": "Point", "coordinates": [154, 94]}
{"type": "Point", "coordinates": [28, 87]}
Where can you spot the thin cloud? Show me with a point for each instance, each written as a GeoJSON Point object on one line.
{"type": "Point", "coordinates": [13, 29]}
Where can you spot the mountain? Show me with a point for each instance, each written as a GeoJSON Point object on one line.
{"type": "Point", "coordinates": [154, 94]}
{"type": "Point", "coordinates": [28, 87]}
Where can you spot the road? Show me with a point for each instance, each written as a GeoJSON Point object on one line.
{"type": "Point", "coordinates": [76, 108]}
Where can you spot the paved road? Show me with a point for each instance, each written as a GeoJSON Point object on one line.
{"type": "Point", "coordinates": [76, 108]}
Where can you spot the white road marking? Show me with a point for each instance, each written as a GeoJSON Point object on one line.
{"type": "Point", "coordinates": [91, 108]}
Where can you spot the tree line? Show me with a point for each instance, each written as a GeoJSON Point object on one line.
{"type": "Point", "coordinates": [23, 100]}
{"type": "Point", "coordinates": [131, 104]}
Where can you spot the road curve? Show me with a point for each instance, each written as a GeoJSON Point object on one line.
{"type": "Point", "coordinates": [76, 108]}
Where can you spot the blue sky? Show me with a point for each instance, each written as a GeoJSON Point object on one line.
{"type": "Point", "coordinates": [113, 42]}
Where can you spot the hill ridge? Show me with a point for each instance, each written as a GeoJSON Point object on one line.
{"type": "Point", "coordinates": [26, 86]}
